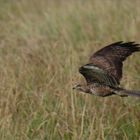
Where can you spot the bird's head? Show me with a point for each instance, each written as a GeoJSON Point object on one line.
{"type": "Point", "coordinates": [81, 88]}
{"type": "Point", "coordinates": [77, 87]}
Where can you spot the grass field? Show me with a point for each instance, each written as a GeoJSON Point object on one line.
{"type": "Point", "coordinates": [42, 45]}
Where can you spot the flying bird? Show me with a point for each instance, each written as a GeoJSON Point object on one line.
{"type": "Point", "coordinates": [104, 70]}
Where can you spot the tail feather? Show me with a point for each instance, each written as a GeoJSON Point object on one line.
{"type": "Point", "coordinates": [123, 92]}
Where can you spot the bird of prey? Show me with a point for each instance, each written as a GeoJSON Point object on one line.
{"type": "Point", "coordinates": [104, 70]}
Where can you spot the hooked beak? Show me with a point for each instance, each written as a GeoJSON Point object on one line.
{"type": "Point", "coordinates": [74, 87]}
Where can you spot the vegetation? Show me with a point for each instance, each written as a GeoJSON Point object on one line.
{"type": "Point", "coordinates": [42, 45]}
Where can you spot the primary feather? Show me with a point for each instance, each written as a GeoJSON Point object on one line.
{"type": "Point", "coordinates": [111, 57]}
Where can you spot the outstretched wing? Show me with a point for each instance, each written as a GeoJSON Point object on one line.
{"type": "Point", "coordinates": [94, 74]}
{"type": "Point", "coordinates": [110, 58]}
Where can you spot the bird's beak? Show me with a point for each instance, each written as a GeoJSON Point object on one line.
{"type": "Point", "coordinates": [74, 87]}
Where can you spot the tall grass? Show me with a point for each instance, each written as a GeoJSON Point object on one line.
{"type": "Point", "coordinates": [42, 45]}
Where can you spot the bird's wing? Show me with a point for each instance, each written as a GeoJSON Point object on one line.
{"type": "Point", "coordinates": [94, 74]}
{"type": "Point", "coordinates": [110, 58]}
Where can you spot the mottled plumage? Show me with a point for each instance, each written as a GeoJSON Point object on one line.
{"type": "Point", "coordinates": [104, 70]}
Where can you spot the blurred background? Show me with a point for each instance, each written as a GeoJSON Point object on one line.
{"type": "Point", "coordinates": [42, 45]}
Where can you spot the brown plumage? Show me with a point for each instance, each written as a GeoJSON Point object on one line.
{"type": "Point", "coordinates": [104, 70]}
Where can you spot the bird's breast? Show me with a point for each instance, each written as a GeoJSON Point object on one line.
{"type": "Point", "coordinates": [100, 90]}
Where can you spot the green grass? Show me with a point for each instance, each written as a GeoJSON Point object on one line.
{"type": "Point", "coordinates": [42, 45]}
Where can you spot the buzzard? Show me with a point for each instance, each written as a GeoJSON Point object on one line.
{"type": "Point", "coordinates": [104, 70]}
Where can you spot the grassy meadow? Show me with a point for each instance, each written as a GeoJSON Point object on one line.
{"type": "Point", "coordinates": [42, 45]}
